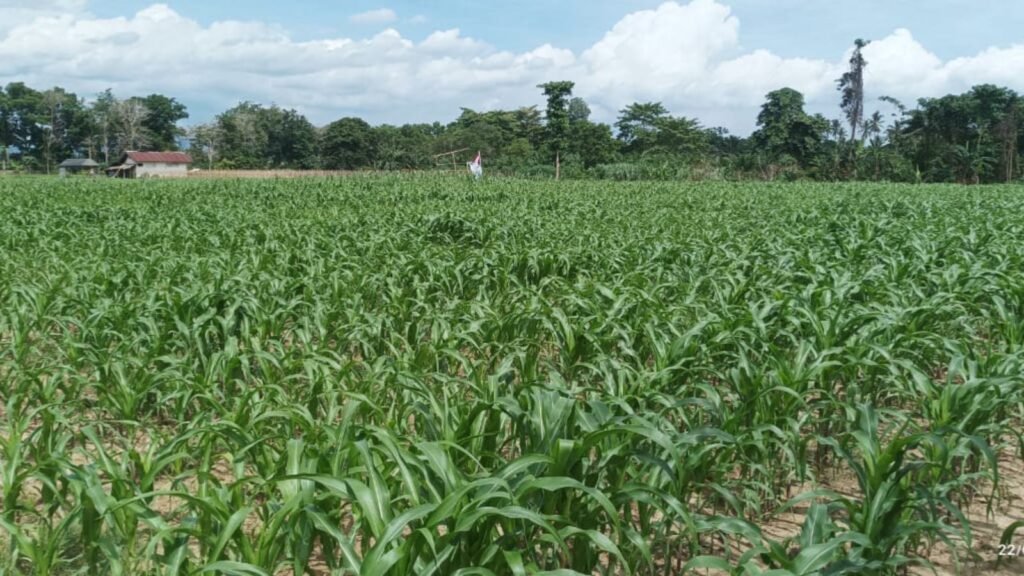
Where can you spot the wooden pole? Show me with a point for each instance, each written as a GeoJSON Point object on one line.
{"type": "Point", "coordinates": [452, 154]}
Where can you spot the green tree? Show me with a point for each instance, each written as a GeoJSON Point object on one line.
{"type": "Point", "coordinates": [733, 156]}
{"type": "Point", "coordinates": [786, 131]}
{"type": "Point", "coordinates": [161, 121]}
{"type": "Point", "coordinates": [243, 137]}
{"type": "Point", "coordinates": [592, 143]}
{"type": "Point", "coordinates": [6, 137]}
{"type": "Point", "coordinates": [253, 136]}
{"type": "Point", "coordinates": [22, 131]}
{"type": "Point", "coordinates": [53, 118]}
{"type": "Point", "coordinates": [579, 110]}
{"type": "Point", "coordinates": [638, 125]}
{"type": "Point", "coordinates": [970, 137]}
{"type": "Point", "coordinates": [403, 147]}
{"type": "Point", "coordinates": [873, 133]}
{"type": "Point", "coordinates": [509, 139]}
{"type": "Point", "coordinates": [528, 125]}
{"type": "Point", "coordinates": [723, 145]}
{"type": "Point", "coordinates": [102, 112]}
{"type": "Point", "coordinates": [291, 140]}
{"type": "Point", "coordinates": [486, 132]}
{"type": "Point", "coordinates": [41, 127]}
{"type": "Point", "coordinates": [348, 144]}
{"type": "Point", "coordinates": [557, 114]}
{"type": "Point", "coordinates": [391, 151]}
{"type": "Point", "coordinates": [681, 137]}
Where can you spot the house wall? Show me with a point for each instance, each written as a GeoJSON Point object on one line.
{"type": "Point", "coordinates": [161, 170]}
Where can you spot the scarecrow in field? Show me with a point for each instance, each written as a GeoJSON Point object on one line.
{"type": "Point", "coordinates": [476, 167]}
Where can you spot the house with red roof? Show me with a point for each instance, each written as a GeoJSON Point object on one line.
{"type": "Point", "coordinates": [151, 165]}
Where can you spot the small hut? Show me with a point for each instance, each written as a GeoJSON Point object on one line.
{"type": "Point", "coordinates": [78, 166]}
{"type": "Point", "coordinates": [151, 165]}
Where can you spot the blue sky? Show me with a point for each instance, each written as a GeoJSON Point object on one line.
{"type": "Point", "coordinates": [792, 28]}
{"type": "Point", "coordinates": [713, 59]}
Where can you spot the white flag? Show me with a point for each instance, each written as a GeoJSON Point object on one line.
{"type": "Point", "coordinates": [476, 167]}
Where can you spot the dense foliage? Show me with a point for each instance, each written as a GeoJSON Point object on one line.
{"type": "Point", "coordinates": [969, 138]}
{"type": "Point", "coordinates": [39, 129]}
{"type": "Point", "coordinates": [432, 376]}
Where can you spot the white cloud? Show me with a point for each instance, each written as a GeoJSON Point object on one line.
{"type": "Point", "coordinates": [15, 13]}
{"type": "Point", "coordinates": [379, 16]}
{"type": "Point", "coordinates": [900, 66]}
{"type": "Point", "coordinates": [452, 42]}
{"type": "Point", "coordinates": [663, 49]}
{"type": "Point", "coordinates": [688, 55]}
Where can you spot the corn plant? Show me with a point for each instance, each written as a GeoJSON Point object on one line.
{"type": "Point", "coordinates": [409, 374]}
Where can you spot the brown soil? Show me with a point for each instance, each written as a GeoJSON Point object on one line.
{"type": "Point", "coordinates": [986, 530]}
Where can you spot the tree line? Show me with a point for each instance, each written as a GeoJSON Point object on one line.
{"type": "Point", "coordinates": [970, 138]}
{"type": "Point", "coordinates": [38, 129]}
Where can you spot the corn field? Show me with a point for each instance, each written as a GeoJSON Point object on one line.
{"type": "Point", "coordinates": [399, 375]}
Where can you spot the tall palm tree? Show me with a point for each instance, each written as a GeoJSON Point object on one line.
{"type": "Point", "coordinates": [851, 85]}
{"type": "Point", "coordinates": [836, 130]}
{"type": "Point", "coordinates": [872, 126]}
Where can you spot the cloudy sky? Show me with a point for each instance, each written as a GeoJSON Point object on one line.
{"type": "Point", "coordinates": [400, 61]}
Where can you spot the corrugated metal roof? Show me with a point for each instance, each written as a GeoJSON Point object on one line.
{"type": "Point", "coordinates": [162, 157]}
